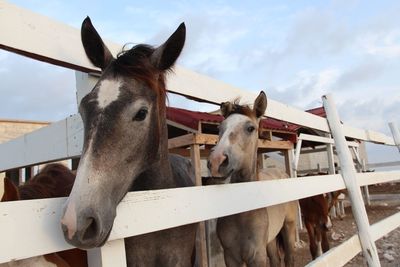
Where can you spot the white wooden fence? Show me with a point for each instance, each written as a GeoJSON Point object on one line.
{"type": "Point", "coordinates": [30, 228]}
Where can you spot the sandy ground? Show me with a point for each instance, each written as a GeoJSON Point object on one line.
{"type": "Point", "coordinates": [388, 246]}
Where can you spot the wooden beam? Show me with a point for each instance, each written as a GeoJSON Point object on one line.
{"type": "Point", "coordinates": [340, 255]}
{"type": "Point", "coordinates": [181, 141]}
{"type": "Point", "coordinates": [158, 209]}
{"type": "Point", "coordinates": [349, 175]}
{"type": "Point", "coordinates": [201, 246]}
{"type": "Point", "coordinates": [204, 153]}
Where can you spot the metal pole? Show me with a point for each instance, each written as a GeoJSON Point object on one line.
{"type": "Point", "coordinates": [349, 176]}
{"type": "Point", "coordinates": [396, 133]}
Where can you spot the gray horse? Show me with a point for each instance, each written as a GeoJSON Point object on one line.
{"type": "Point", "coordinates": [126, 149]}
{"type": "Point", "coordinates": [247, 238]}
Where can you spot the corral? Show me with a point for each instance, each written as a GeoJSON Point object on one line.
{"type": "Point", "coordinates": [174, 207]}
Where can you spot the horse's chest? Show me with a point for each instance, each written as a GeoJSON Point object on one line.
{"type": "Point", "coordinates": [245, 228]}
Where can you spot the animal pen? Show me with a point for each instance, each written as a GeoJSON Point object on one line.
{"type": "Point", "coordinates": [41, 38]}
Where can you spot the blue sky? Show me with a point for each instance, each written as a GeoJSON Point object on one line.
{"type": "Point", "coordinates": [295, 51]}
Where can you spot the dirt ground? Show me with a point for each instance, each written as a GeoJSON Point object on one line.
{"type": "Point", "coordinates": [388, 246]}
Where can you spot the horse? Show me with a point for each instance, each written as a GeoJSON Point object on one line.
{"type": "Point", "coordinates": [125, 148]}
{"type": "Point", "coordinates": [249, 237]}
{"type": "Point", "coordinates": [54, 180]}
{"type": "Point", "coordinates": [315, 211]}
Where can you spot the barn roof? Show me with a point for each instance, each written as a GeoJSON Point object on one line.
{"type": "Point", "coordinates": [192, 119]}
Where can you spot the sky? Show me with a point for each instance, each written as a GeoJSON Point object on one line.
{"type": "Point", "coordinates": [296, 51]}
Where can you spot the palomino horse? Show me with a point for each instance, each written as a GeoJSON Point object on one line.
{"type": "Point", "coordinates": [54, 180]}
{"type": "Point", "coordinates": [250, 236]}
{"type": "Point", "coordinates": [126, 149]}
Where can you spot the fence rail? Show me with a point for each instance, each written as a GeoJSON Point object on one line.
{"type": "Point", "coordinates": [158, 209]}
{"type": "Point", "coordinates": [56, 43]}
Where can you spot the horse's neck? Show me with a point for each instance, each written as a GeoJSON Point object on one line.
{"type": "Point", "coordinates": [159, 174]}
{"type": "Point", "coordinates": [248, 173]}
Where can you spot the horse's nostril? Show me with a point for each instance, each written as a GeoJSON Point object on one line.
{"type": "Point", "coordinates": [91, 229]}
{"type": "Point", "coordinates": [225, 162]}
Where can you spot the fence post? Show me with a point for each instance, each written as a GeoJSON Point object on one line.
{"type": "Point", "coordinates": [349, 176]}
{"type": "Point", "coordinates": [396, 133]}
{"type": "Point", "coordinates": [111, 254]}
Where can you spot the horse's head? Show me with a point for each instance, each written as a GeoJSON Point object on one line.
{"type": "Point", "coordinates": [238, 139]}
{"type": "Point", "coordinates": [123, 119]}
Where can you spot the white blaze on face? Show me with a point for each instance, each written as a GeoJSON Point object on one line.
{"type": "Point", "coordinates": [232, 123]}
{"type": "Point", "coordinates": [108, 92]}
{"type": "Point", "coordinates": [80, 188]}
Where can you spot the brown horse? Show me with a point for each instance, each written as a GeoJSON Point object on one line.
{"type": "Point", "coordinates": [126, 149]}
{"type": "Point", "coordinates": [316, 218]}
{"type": "Point", "coordinates": [54, 180]}
{"type": "Point", "coordinates": [247, 238]}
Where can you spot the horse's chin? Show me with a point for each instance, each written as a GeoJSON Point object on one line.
{"type": "Point", "coordinates": [98, 242]}
{"type": "Point", "coordinates": [223, 179]}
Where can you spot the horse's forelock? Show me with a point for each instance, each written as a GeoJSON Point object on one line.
{"type": "Point", "coordinates": [241, 109]}
{"type": "Point", "coordinates": [135, 62]}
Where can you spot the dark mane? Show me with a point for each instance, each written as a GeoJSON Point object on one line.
{"type": "Point", "coordinates": [55, 180]}
{"type": "Point", "coordinates": [136, 62]}
{"type": "Point", "coordinates": [236, 108]}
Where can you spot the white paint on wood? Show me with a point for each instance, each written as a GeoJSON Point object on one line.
{"type": "Point", "coordinates": [84, 84]}
{"type": "Point", "coordinates": [110, 255]}
{"type": "Point", "coordinates": [349, 176]}
{"type": "Point", "coordinates": [59, 140]}
{"type": "Point", "coordinates": [143, 212]}
{"type": "Point", "coordinates": [340, 255]}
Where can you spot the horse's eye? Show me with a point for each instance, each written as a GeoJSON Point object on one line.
{"type": "Point", "coordinates": [250, 129]}
{"type": "Point", "coordinates": [140, 115]}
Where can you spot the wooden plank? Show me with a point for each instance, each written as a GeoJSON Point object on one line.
{"type": "Point", "coordinates": [201, 245]}
{"type": "Point", "coordinates": [316, 138]}
{"type": "Point", "coordinates": [383, 164]}
{"type": "Point", "coordinates": [64, 139]}
{"type": "Point", "coordinates": [42, 38]}
{"type": "Point", "coordinates": [340, 255]}
{"type": "Point", "coordinates": [370, 178]}
{"type": "Point", "coordinates": [349, 175]}
{"type": "Point", "coordinates": [204, 153]}
{"type": "Point", "coordinates": [110, 255]}
{"type": "Point", "coordinates": [181, 141]}
{"type": "Point", "coordinates": [143, 212]}
{"type": "Point", "coordinates": [58, 141]}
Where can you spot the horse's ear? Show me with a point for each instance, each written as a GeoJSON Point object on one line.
{"type": "Point", "coordinates": [260, 104]}
{"type": "Point", "coordinates": [226, 109]}
{"type": "Point", "coordinates": [10, 191]}
{"type": "Point", "coordinates": [95, 49]}
{"type": "Point", "coordinates": [165, 55]}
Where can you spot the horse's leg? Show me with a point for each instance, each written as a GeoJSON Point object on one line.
{"type": "Point", "coordinates": [289, 240]}
{"type": "Point", "coordinates": [273, 253]}
{"type": "Point", "coordinates": [318, 238]}
{"type": "Point", "coordinates": [325, 242]}
{"type": "Point", "coordinates": [311, 239]}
